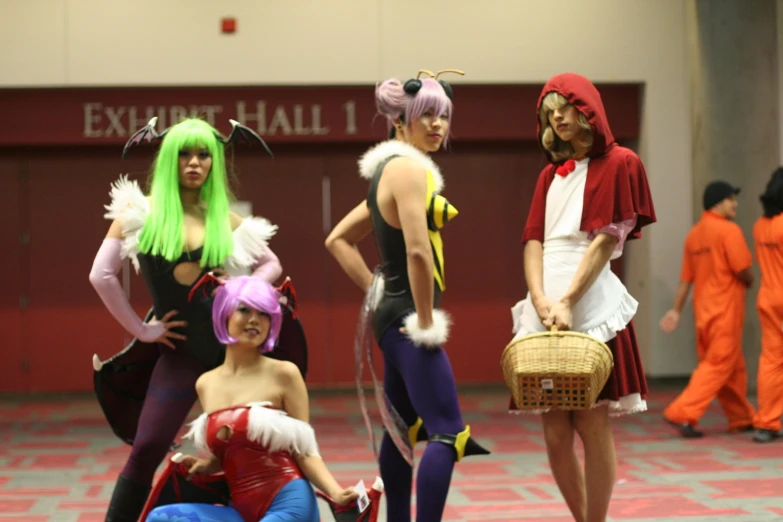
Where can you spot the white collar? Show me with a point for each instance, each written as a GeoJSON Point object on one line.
{"type": "Point", "coordinates": [377, 154]}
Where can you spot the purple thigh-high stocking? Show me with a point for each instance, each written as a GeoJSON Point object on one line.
{"type": "Point", "coordinates": [419, 383]}
{"type": "Point", "coordinates": [170, 397]}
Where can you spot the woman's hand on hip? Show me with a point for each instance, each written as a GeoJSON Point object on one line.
{"type": "Point", "coordinates": [159, 330]}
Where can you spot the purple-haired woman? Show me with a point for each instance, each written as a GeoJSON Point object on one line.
{"type": "Point", "coordinates": [405, 211]}
{"type": "Point", "coordinates": [255, 426]}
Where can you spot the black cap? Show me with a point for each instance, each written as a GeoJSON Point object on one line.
{"type": "Point", "coordinates": [717, 191]}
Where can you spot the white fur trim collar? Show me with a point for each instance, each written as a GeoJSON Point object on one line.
{"type": "Point", "coordinates": [269, 427]}
{"type": "Point", "coordinates": [131, 208]}
{"type": "Point", "coordinates": [377, 154]}
{"type": "Point", "coordinates": [129, 205]}
{"type": "Point", "coordinates": [250, 245]}
{"type": "Point", "coordinates": [434, 336]}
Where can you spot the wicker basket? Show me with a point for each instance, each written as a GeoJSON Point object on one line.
{"type": "Point", "coordinates": [558, 370]}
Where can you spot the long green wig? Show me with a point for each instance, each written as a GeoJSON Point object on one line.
{"type": "Point", "coordinates": [163, 232]}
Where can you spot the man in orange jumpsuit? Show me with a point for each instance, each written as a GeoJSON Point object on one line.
{"type": "Point", "coordinates": [768, 238]}
{"type": "Point", "coordinates": [717, 263]}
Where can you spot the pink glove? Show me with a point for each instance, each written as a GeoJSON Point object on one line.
{"type": "Point", "coordinates": [268, 267]}
{"type": "Point", "coordinates": [103, 277]}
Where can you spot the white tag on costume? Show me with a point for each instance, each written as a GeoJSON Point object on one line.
{"type": "Point", "coordinates": [363, 501]}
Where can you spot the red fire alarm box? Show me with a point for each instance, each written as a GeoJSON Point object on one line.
{"type": "Point", "coordinates": [228, 25]}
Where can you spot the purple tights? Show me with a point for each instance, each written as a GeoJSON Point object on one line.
{"type": "Point", "coordinates": [169, 399]}
{"type": "Point", "coordinates": [419, 383]}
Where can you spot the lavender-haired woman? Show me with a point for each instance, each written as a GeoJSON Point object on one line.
{"type": "Point", "coordinates": [255, 426]}
{"type": "Point", "coordinates": [405, 211]}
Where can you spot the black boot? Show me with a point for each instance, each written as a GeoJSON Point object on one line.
{"type": "Point", "coordinates": [127, 501]}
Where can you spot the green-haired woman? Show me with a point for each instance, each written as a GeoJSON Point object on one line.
{"type": "Point", "coordinates": [176, 234]}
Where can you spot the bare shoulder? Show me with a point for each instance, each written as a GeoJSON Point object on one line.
{"type": "Point", "coordinates": [287, 371]}
{"type": "Point", "coordinates": [204, 382]}
{"type": "Point", "coordinates": [403, 173]}
{"type": "Point", "coordinates": [235, 219]}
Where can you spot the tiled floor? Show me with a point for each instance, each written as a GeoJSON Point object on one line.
{"type": "Point", "coordinates": [58, 462]}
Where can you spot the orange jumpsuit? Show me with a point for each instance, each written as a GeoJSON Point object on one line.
{"type": "Point", "coordinates": [715, 251]}
{"type": "Point", "coordinates": [768, 238]}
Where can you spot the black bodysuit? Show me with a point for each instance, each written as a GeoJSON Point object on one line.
{"type": "Point", "coordinates": [169, 294]}
{"type": "Point", "coordinates": [397, 299]}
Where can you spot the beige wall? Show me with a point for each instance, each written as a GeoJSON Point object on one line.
{"type": "Point", "coordinates": [145, 42]}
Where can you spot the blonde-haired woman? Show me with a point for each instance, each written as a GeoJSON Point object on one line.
{"type": "Point", "coordinates": [591, 197]}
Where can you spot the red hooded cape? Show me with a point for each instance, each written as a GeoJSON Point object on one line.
{"type": "Point", "coordinates": [616, 188]}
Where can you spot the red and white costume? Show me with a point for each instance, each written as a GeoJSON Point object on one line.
{"type": "Point", "coordinates": [574, 201]}
{"type": "Point", "coordinates": [255, 445]}
{"type": "Point", "coordinates": [257, 459]}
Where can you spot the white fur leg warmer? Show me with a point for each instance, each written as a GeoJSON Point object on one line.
{"type": "Point", "coordinates": [434, 336]}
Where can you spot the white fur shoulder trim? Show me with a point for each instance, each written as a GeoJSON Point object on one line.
{"type": "Point", "coordinates": [376, 155]}
{"type": "Point", "coordinates": [198, 432]}
{"type": "Point", "coordinates": [434, 336]}
{"type": "Point", "coordinates": [271, 428]}
{"type": "Point", "coordinates": [250, 244]}
{"type": "Point", "coordinates": [275, 430]}
{"type": "Point", "coordinates": [131, 208]}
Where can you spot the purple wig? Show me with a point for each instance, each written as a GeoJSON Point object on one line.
{"type": "Point", "coordinates": [255, 293]}
{"type": "Point", "coordinates": [393, 102]}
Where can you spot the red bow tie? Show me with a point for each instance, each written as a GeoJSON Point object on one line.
{"type": "Point", "coordinates": [566, 168]}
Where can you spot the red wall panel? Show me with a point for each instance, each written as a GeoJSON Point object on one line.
{"type": "Point", "coordinates": [65, 322]}
{"type": "Point", "coordinates": [13, 374]}
{"type": "Point", "coordinates": [492, 188]}
{"type": "Point", "coordinates": [56, 196]}
{"type": "Point", "coordinates": [282, 114]}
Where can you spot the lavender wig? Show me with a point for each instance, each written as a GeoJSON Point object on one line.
{"type": "Point", "coordinates": [393, 102]}
{"type": "Point", "coordinates": [255, 293]}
